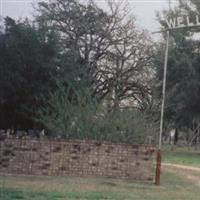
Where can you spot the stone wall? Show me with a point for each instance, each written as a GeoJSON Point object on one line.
{"type": "Point", "coordinates": [76, 158]}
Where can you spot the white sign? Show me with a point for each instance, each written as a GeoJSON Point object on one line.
{"type": "Point", "coordinates": [183, 21]}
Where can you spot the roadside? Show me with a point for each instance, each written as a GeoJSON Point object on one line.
{"type": "Point", "coordinates": [187, 172]}
{"type": "Point", "coordinates": [182, 156]}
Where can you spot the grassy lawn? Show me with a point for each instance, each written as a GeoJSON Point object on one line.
{"type": "Point", "coordinates": [181, 156]}
{"type": "Point", "coordinates": [175, 185]}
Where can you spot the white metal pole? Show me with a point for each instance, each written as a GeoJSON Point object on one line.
{"type": "Point", "coordinates": [163, 91]}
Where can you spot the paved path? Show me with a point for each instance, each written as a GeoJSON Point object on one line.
{"type": "Point", "coordinates": [181, 166]}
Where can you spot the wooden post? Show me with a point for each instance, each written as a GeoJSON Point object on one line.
{"type": "Point", "coordinates": [158, 167]}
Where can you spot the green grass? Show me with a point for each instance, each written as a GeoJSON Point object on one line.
{"type": "Point", "coordinates": [174, 186]}
{"type": "Point", "coordinates": [181, 156]}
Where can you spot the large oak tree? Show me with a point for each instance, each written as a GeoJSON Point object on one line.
{"type": "Point", "coordinates": [114, 54]}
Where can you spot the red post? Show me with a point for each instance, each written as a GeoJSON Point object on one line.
{"type": "Point", "coordinates": [158, 167]}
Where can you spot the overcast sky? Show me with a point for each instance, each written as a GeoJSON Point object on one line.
{"type": "Point", "coordinates": [144, 10]}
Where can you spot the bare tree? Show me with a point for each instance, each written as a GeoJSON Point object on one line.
{"type": "Point", "coordinates": [126, 68]}
{"type": "Point", "coordinates": [115, 54]}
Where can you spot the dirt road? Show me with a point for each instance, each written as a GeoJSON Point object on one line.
{"type": "Point", "coordinates": [181, 167]}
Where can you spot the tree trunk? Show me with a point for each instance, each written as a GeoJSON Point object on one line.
{"type": "Point", "coordinates": [176, 136]}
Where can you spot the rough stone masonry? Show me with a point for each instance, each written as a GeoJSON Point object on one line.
{"type": "Point", "coordinates": [77, 158]}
